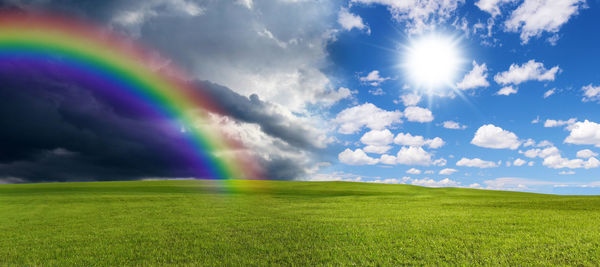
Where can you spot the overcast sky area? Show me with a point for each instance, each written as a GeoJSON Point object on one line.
{"type": "Point", "coordinates": [337, 90]}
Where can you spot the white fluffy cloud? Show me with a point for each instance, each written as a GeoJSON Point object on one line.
{"type": "Point", "coordinates": [590, 93]}
{"type": "Point", "coordinates": [477, 77]}
{"type": "Point", "coordinates": [349, 21]}
{"type": "Point", "coordinates": [529, 142]}
{"type": "Point", "coordinates": [476, 162]}
{"type": "Point", "coordinates": [584, 133]}
{"type": "Point", "coordinates": [377, 141]}
{"type": "Point", "coordinates": [418, 15]}
{"type": "Point", "coordinates": [453, 125]}
{"type": "Point", "coordinates": [413, 171]}
{"type": "Point", "coordinates": [529, 71]}
{"type": "Point", "coordinates": [448, 171]}
{"type": "Point", "coordinates": [377, 137]}
{"type": "Point", "coordinates": [553, 159]}
{"type": "Point", "coordinates": [559, 123]}
{"type": "Point", "coordinates": [432, 183]}
{"type": "Point", "coordinates": [586, 153]}
{"type": "Point", "coordinates": [533, 17]}
{"type": "Point", "coordinates": [336, 95]}
{"type": "Point", "coordinates": [413, 156]}
{"type": "Point", "coordinates": [352, 120]}
{"type": "Point", "coordinates": [418, 114]}
{"type": "Point", "coordinates": [491, 136]}
{"type": "Point", "coordinates": [519, 162]}
{"type": "Point", "coordinates": [406, 139]}
{"type": "Point", "coordinates": [542, 153]}
{"type": "Point", "coordinates": [411, 99]}
{"type": "Point", "coordinates": [440, 162]}
{"type": "Point", "coordinates": [558, 162]}
{"type": "Point", "coordinates": [373, 78]}
{"type": "Point", "coordinates": [356, 157]}
{"type": "Point", "coordinates": [387, 159]}
{"type": "Point", "coordinates": [507, 90]}
{"type": "Point", "coordinates": [491, 6]}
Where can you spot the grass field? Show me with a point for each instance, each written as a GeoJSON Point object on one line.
{"type": "Point", "coordinates": [291, 223]}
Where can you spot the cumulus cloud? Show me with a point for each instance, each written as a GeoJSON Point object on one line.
{"type": "Point", "coordinates": [544, 143]}
{"type": "Point", "coordinates": [507, 90]}
{"type": "Point", "coordinates": [373, 78]}
{"type": "Point", "coordinates": [349, 21]}
{"type": "Point", "coordinates": [586, 153]}
{"type": "Point", "coordinates": [418, 114]}
{"type": "Point", "coordinates": [584, 133]}
{"type": "Point", "coordinates": [529, 142]}
{"type": "Point", "coordinates": [558, 123]}
{"type": "Point", "coordinates": [476, 162]}
{"type": "Point", "coordinates": [440, 162]}
{"type": "Point", "coordinates": [491, 136]}
{"type": "Point", "coordinates": [428, 182]}
{"type": "Point", "coordinates": [377, 141]}
{"type": "Point", "coordinates": [413, 156]}
{"type": "Point", "coordinates": [411, 99]}
{"type": "Point", "coordinates": [542, 153]}
{"type": "Point", "coordinates": [377, 137]}
{"type": "Point", "coordinates": [356, 157]}
{"type": "Point", "coordinates": [529, 71]}
{"type": "Point", "coordinates": [477, 77]}
{"type": "Point", "coordinates": [492, 6]}
{"type": "Point", "coordinates": [413, 171]}
{"type": "Point", "coordinates": [334, 96]}
{"type": "Point", "coordinates": [591, 93]}
{"type": "Point", "coordinates": [453, 125]}
{"type": "Point", "coordinates": [558, 162]}
{"type": "Point", "coordinates": [387, 159]}
{"type": "Point", "coordinates": [352, 120]}
{"type": "Point", "coordinates": [533, 17]}
{"type": "Point", "coordinates": [519, 162]}
{"type": "Point", "coordinates": [448, 171]}
{"type": "Point", "coordinates": [406, 139]}
{"type": "Point", "coordinates": [553, 158]}
{"type": "Point", "coordinates": [418, 15]}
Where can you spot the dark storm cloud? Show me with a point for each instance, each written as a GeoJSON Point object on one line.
{"type": "Point", "coordinates": [54, 129]}
{"type": "Point", "coordinates": [253, 110]}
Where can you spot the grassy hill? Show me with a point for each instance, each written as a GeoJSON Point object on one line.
{"type": "Point", "coordinates": [291, 223]}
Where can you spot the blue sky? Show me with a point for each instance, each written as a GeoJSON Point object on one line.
{"type": "Point", "coordinates": [566, 41]}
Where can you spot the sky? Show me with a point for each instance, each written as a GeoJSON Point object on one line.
{"type": "Point", "coordinates": [490, 94]}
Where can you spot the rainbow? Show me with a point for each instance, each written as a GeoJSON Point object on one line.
{"type": "Point", "coordinates": [117, 66]}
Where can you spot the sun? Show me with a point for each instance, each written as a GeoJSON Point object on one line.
{"type": "Point", "coordinates": [432, 61]}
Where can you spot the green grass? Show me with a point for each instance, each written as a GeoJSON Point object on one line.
{"type": "Point", "coordinates": [291, 223]}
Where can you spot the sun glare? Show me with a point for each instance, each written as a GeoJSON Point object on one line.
{"type": "Point", "coordinates": [432, 62]}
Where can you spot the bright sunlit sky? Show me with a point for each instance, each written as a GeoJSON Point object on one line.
{"type": "Point", "coordinates": [519, 113]}
{"type": "Point", "coordinates": [494, 94]}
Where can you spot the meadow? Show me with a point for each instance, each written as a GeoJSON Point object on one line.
{"type": "Point", "coordinates": [291, 223]}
